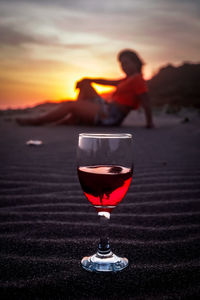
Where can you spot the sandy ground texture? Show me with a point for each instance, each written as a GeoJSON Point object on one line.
{"type": "Point", "coordinates": [47, 225]}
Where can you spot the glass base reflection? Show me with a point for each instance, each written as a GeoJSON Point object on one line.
{"type": "Point", "coordinates": [104, 262]}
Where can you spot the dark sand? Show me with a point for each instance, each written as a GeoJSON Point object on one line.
{"type": "Point", "coordinates": [47, 225]}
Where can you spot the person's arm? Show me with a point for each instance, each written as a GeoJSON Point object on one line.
{"type": "Point", "coordinates": [146, 104]}
{"type": "Point", "coordinates": [98, 81]}
{"type": "Point", "coordinates": [105, 81]}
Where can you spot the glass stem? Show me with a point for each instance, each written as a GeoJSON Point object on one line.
{"type": "Point", "coordinates": [104, 245]}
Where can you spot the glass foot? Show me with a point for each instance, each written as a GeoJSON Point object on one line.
{"type": "Point", "coordinates": [104, 263]}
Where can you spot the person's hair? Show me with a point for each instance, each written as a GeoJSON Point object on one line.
{"type": "Point", "coordinates": [133, 56]}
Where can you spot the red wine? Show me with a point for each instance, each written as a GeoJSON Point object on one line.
{"type": "Point", "coordinates": [104, 186]}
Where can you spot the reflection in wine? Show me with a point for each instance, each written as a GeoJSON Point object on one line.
{"type": "Point", "coordinates": [104, 186]}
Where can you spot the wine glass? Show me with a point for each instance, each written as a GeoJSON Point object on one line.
{"type": "Point", "coordinates": [105, 167]}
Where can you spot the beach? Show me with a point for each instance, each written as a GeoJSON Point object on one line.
{"type": "Point", "coordinates": [47, 225]}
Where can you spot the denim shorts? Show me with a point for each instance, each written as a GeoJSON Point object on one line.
{"type": "Point", "coordinates": [114, 115]}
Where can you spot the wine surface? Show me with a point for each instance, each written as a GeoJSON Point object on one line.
{"type": "Point", "coordinates": [104, 186]}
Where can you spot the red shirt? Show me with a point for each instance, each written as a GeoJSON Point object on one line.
{"type": "Point", "coordinates": [128, 89]}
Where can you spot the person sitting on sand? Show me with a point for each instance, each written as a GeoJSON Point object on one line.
{"type": "Point", "coordinates": [91, 109]}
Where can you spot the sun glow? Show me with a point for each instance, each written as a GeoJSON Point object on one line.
{"type": "Point", "coordinates": [103, 89]}
{"type": "Point", "coordinates": [69, 93]}
{"type": "Point", "coordinates": [67, 89]}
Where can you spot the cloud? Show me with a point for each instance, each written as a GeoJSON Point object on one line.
{"type": "Point", "coordinates": [77, 29]}
{"type": "Point", "coordinates": [114, 19]}
{"type": "Point", "coordinates": [12, 37]}
{"type": "Point", "coordinates": [88, 6]}
{"type": "Point", "coordinates": [89, 30]}
{"type": "Point", "coordinates": [109, 6]}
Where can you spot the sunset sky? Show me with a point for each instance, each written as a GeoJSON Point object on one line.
{"type": "Point", "coordinates": [46, 45]}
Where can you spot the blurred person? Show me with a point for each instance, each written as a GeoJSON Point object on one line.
{"type": "Point", "coordinates": [91, 109]}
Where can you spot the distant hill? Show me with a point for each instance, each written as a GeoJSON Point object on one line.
{"type": "Point", "coordinates": [176, 86]}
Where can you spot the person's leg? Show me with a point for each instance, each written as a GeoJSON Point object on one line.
{"type": "Point", "coordinates": [70, 119]}
{"type": "Point", "coordinates": [52, 116]}
{"type": "Point", "coordinates": [86, 113]}
{"type": "Point", "coordinates": [86, 91]}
